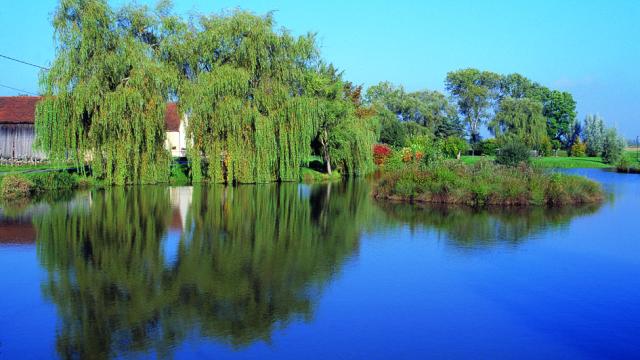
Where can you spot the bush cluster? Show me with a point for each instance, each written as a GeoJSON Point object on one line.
{"type": "Point", "coordinates": [22, 186]}
{"type": "Point", "coordinates": [381, 152]}
{"type": "Point", "coordinates": [578, 149]}
{"type": "Point", "coordinates": [513, 153]}
{"type": "Point", "coordinates": [486, 183]}
{"type": "Point", "coordinates": [14, 187]}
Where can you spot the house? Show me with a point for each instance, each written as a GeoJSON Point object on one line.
{"type": "Point", "coordinates": [17, 134]}
{"type": "Point", "coordinates": [176, 131]}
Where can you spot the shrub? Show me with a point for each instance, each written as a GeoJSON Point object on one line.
{"type": "Point", "coordinates": [381, 152]}
{"type": "Point", "coordinates": [613, 147]}
{"type": "Point", "coordinates": [546, 146]}
{"type": "Point", "coordinates": [453, 147]}
{"type": "Point", "coordinates": [578, 149]}
{"type": "Point", "coordinates": [393, 133]}
{"type": "Point", "coordinates": [178, 175]}
{"type": "Point", "coordinates": [53, 180]}
{"type": "Point", "coordinates": [489, 147]}
{"type": "Point", "coordinates": [15, 187]}
{"type": "Point", "coordinates": [432, 152]}
{"type": "Point", "coordinates": [513, 153]}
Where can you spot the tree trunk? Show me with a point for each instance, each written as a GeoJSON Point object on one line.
{"type": "Point", "coordinates": [325, 152]}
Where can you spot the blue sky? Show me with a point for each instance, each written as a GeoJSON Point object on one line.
{"type": "Point", "coordinates": [590, 48]}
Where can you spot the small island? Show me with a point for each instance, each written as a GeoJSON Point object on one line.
{"type": "Point", "coordinates": [510, 180]}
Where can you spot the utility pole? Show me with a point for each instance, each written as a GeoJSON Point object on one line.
{"type": "Point", "coordinates": [638, 148]}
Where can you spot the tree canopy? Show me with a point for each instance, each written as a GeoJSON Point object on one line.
{"type": "Point", "coordinates": [474, 92]}
{"type": "Point", "coordinates": [256, 98]}
{"type": "Point", "coordinates": [520, 119]}
{"type": "Point", "coordinates": [106, 93]}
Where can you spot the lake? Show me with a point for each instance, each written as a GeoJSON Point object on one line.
{"type": "Point", "coordinates": [317, 272]}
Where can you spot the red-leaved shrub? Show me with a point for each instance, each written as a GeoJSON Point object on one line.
{"type": "Point", "coordinates": [380, 153]}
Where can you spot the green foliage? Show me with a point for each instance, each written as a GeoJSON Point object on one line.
{"type": "Point", "coordinates": [489, 147]}
{"type": "Point", "coordinates": [430, 109]}
{"type": "Point", "coordinates": [15, 187]}
{"type": "Point", "coordinates": [559, 108]}
{"type": "Point", "coordinates": [474, 91]}
{"type": "Point", "coordinates": [560, 112]}
{"type": "Point", "coordinates": [178, 174]}
{"type": "Point", "coordinates": [545, 147]}
{"type": "Point", "coordinates": [310, 176]}
{"type": "Point", "coordinates": [594, 134]}
{"type": "Point", "coordinates": [520, 119]}
{"type": "Point", "coordinates": [36, 185]}
{"type": "Point", "coordinates": [513, 153]}
{"type": "Point", "coordinates": [392, 132]}
{"type": "Point", "coordinates": [105, 94]}
{"type": "Point", "coordinates": [613, 147]}
{"type": "Point", "coordinates": [53, 180]}
{"type": "Point", "coordinates": [454, 147]}
{"type": "Point", "coordinates": [578, 149]}
{"type": "Point", "coordinates": [485, 184]}
{"type": "Point", "coordinates": [257, 97]}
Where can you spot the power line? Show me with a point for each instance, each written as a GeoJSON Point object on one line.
{"type": "Point", "coordinates": [20, 90]}
{"type": "Point", "coordinates": [23, 62]}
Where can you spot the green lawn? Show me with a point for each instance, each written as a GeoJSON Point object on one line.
{"type": "Point", "coordinates": [632, 155]}
{"type": "Point", "coordinates": [553, 162]}
{"type": "Point", "coordinates": [18, 168]}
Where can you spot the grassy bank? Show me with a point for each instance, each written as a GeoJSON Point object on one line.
{"type": "Point", "coordinates": [24, 186]}
{"type": "Point", "coordinates": [551, 162]}
{"type": "Point", "coordinates": [485, 183]}
{"type": "Point", "coordinates": [312, 176]}
{"type": "Point", "coordinates": [9, 169]}
{"type": "Point", "coordinates": [630, 162]}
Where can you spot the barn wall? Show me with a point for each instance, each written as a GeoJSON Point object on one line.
{"type": "Point", "coordinates": [16, 142]}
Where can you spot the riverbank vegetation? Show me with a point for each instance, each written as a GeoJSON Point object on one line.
{"type": "Point", "coordinates": [485, 183]}
{"type": "Point", "coordinates": [630, 162]}
{"type": "Point", "coordinates": [19, 187]}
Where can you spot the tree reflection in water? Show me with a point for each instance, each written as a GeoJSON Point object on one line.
{"type": "Point", "coordinates": [469, 228]}
{"type": "Point", "coordinates": [250, 260]}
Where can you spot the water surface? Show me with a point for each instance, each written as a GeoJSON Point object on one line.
{"type": "Point", "coordinates": [298, 271]}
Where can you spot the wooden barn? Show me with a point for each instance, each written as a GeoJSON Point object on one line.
{"type": "Point", "coordinates": [17, 134]}
{"type": "Point", "coordinates": [17, 114]}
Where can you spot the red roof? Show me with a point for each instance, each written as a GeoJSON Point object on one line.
{"type": "Point", "coordinates": [22, 110]}
{"type": "Point", "coordinates": [171, 117]}
{"type": "Point", "coordinates": [18, 109]}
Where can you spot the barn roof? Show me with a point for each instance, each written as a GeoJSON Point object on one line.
{"type": "Point", "coordinates": [22, 110]}
{"type": "Point", "coordinates": [18, 109]}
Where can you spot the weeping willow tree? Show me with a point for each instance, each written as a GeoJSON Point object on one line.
{"type": "Point", "coordinates": [520, 119]}
{"type": "Point", "coordinates": [346, 129]}
{"type": "Point", "coordinates": [106, 92]}
{"type": "Point", "coordinates": [251, 93]}
{"type": "Point", "coordinates": [248, 92]}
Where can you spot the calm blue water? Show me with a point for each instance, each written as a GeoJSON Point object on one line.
{"type": "Point", "coordinates": [318, 272]}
